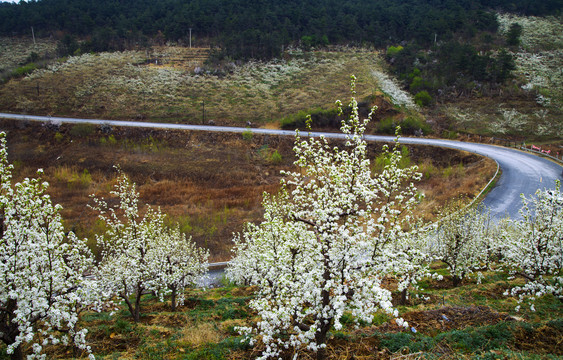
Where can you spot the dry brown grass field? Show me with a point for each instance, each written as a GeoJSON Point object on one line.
{"type": "Point", "coordinates": [211, 184]}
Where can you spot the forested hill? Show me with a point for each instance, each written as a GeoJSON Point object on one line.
{"type": "Point", "coordinates": [259, 28]}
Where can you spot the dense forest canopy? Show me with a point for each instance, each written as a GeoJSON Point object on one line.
{"type": "Point", "coordinates": [259, 28]}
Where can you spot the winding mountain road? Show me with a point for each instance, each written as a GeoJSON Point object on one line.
{"type": "Point", "coordinates": [522, 173]}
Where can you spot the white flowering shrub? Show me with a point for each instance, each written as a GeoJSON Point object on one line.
{"type": "Point", "coordinates": [140, 254]}
{"type": "Point", "coordinates": [540, 57]}
{"type": "Point", "coordinates": [534, 247]}
{"type": "Point", "coordinates": [391, 88]}
{"type": "Point", "coordinates": [16, 51]}
{"type": "Point", "coordinates": [410, 261]}
{"type": "Point", "coordinates": [510, 121]}
{"type": "Point", "coordinates": [43, 288]}
{"type": "Point", "coordinates": [542, 73]}
{"type": "Point", "coordinates": [537, 32]}
{"type": "Point", "coordinates": [325, 242]}
{"type": "Point", "coordinates": [464, 239]}
{"type": "Point", "coordinates": [177, 263]}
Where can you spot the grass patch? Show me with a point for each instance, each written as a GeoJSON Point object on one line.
{"type": "Point", "coordinates": [73, 177]}
{"type": "Point", "coordinates": [320, 118]}
{"type": "Point", "coordinates": [82, 130]}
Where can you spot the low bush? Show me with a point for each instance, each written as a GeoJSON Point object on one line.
{"type": "Point", "coordinates": [276, 158]}
{"type": "Point", "coordinates": [412, 126]}
{"type": "Point", "coordinates": [82, 130]}
{"type": "Point", "coordinates": [247, 135]}
{"type": "Point", "coordinates": [319, 118]}
{"type": "Point", "coordinates": [409, 126]}
{"type": "Point", "coordinates": [392, 51]}
{"type": "Point", "coordinates": [24, 70]}
{"type": "Point", "coordinates": [423, 98]}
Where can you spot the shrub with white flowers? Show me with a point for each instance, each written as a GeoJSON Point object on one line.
{"type": "Point", "coordinates": [391, 88]}
{"type": "Point", "coordinates": [325, 242]}
{"type": "Point", "coordinates": [177, 263]}
{"type": "Point", "coordinates": [140, 254]}
{"type": "Point", "coordinates": [43, 288]}
{"type": "Point", "coordinates": [534, 251]}
{"type": "Point", "coordinates": [464, 241]}
{"type": "Point", "coordinates": [411, 260]}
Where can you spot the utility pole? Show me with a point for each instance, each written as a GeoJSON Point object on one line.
{"type": "Point", "coordinates": [190, 38]}
{"type": "Point", "coordinates": [33, 34]}
{"type": "Point", "coordinates": [203, 105]}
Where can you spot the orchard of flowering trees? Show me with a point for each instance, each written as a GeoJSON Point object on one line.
{"type": "Point", "coordinates": [42, 287]}
{"type": "Point", "coordinates": [46, 273]}
{"type": "Point", "coordinates": [336, 229]}
{"type": "Point", "coordinates": [141, 255]}
{"type": "Point", "coordinates": [533, 247]}
{"type": "Point", "coordinates": [329, 243]}
{"type": "Point", "coordinates": [469, 241]}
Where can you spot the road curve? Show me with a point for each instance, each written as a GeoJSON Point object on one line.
{"type": "Point", "coordinates": [522, 173]}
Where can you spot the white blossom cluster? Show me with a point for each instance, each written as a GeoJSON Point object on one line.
{"type": "Point", "coordinates": [540, 57]}
{"type": "Point", "coordinates": [542, 71]}
{"type": "Point", "coordinates": [533, 246]}
{"type": "Point", "coordinates": [271, 73]}
{"type": "Point", "coordinates": [411, 259]}
{"type": "Point", "coordinates": [511, 120]}
{"type": "Point", "coordinates": [140, 254]}
{"type": "Point", "coordinates": [537, 32]}
{"type": "Point", "coordinates": [327, 240]}
{"type": "Point", "coordinates": [43, 288]}
{"type": "Point", "coordinates": [75, 63]}
{"type": "Point", "coordinates": [392, 89]}
{"type": "Point", "coordinates": [465, 241]}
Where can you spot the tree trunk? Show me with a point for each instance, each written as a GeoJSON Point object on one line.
{"type": "Point", "coordinates": [17, 354]}
{"type": "Point", "coordinates": [404, 297]}
{"type": "Point", "coordinates": [10, 329]}
{"type": "Point", "coordinates": [133, 309]}
{"type": "Point", "coordinates": [320, 338]}
{"type": "Point", "coordinates": [321, 354]}
{"type": "Point", "coordinates": [456, 281]}
{"type": "Point", "coordinates": [173, 298]}
{"type": "Point", "coordinates": [137, 314]}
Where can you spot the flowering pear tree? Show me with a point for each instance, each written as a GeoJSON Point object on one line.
{"type": "Point", "coordinates": [140, 254]}
{"type": "Point", "coordinates": [411, 258]}
{"type": "Point", "coordinates": [464, 241]}
{"type": "Point", "coordinates": [43, 288]}
{"type": "Point", "coordinates": [177, 264]}
{"type": "Point", "coordinates": [534, 250]}
{"type": "Point", "coordinates": [325, 241]}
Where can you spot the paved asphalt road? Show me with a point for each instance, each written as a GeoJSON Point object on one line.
{"type": "Point", "coordinates": [522, 173]}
